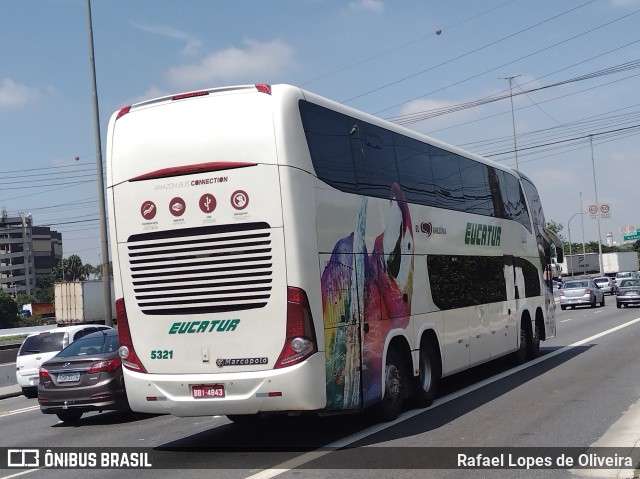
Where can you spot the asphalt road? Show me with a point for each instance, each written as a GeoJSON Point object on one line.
{"type": "Point", "coordinates": [569, 397]}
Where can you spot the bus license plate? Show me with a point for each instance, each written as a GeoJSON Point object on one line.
{"type": "Point", "coordinates": [68, 378]}
{"type": "Point", "coordinates": [204, 391]}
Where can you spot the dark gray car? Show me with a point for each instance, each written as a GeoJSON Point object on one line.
{"type": "Point", "coordinates": [85, 376]}
{"type": "Point", "coordinates": [628, 292]}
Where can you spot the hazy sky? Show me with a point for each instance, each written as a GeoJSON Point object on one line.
{"type": "Point", "coordinates": [574, 62]}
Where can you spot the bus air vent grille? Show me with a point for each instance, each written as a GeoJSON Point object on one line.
{"type": "Point", "coordinates": [202, 270]}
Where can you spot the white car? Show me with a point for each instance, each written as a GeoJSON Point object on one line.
{"type": "Point", "coordinates": [40, 347]}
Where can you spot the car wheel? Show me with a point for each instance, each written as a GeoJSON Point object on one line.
{"type": "Point", "coordinates": [394, 384]}
{"type": "Point", "coordinates": [593, 302]}
{"type": "Point", "coordinates": [563, 308]}
{"type": "Point", "coordinates": [30, 392]}
{"type": "Point", "coordinates": [69, 416]}
{"type": "Point", "coordinates": [573, 307]}
{"type": "Point", "coordinates": [426, 383]}
{"type": "Point", "coordinates": [602, 302]}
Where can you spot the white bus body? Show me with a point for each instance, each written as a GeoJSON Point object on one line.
{"type": "Point", "coordinates": [248, 282]}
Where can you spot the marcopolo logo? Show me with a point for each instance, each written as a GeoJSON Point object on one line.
{"type": "Point", "coordinates": [193, 327]}
{"type": "Point", "coordinates": [220, 362]}
{"type": "Point", "coordinates": [483, 235]}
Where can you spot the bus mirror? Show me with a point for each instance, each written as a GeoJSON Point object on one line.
{"type": "Point", "coordinates": [559, 255]}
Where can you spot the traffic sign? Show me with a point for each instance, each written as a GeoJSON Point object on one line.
{"type": "Point", "coordinates": [632, 237]}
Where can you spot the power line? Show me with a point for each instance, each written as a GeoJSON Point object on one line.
{"type": "Point", "coordinates": [399, 47]}
{"type": "Point", "coordinates": [505, 64]}
{"type": "Point", "coordinates": [464, 55]}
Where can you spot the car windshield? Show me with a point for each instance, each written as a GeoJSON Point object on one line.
{"type": "Point", "coordinates": [623, 275]}
{"type": "Point", "coordinates": [42, 343]}
{"type": "Point", "coordinates": [630, 282]}
{"type": "Point", "coordinates": [97, 343]}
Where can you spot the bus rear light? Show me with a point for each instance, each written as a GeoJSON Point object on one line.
{"type": "Point", "coordinates": [300, 342]}
{"type": "Point", "coordinates": [263, 88]}
{"type": "Point", "coordinates": [127, 353]}
{"type": "Point", "coordinates": [123, 111]}
{"type": "Point", "coordinates": [192, 94]}
{"type": "Point", "coordinates": [192, 169]}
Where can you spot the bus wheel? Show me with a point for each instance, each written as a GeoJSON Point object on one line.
{"type": "Point", "coordinates": [243, 418]}
{"type": "Point", "coordinates": [394, 384]}
{"type": "Point", "coordinates": [426, 383]}
{"type": "Point", "coordinates": [534, 345]}
{"type": "Point", "coordinates": [520, 355]}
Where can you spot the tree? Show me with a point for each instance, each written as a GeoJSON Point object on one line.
{"type": "Point", "coordinates": [8, 310]}
{"type": "Point", "coordinates": [70, 269]}
{"type": "Point", "coordinates": [44, 288]}
{"type": "Point", "coordinates": [23, 299]}
{"type": "Point", "coordinates": [555, 227]}
{"type": "Point", "coordinates": [96, 270]}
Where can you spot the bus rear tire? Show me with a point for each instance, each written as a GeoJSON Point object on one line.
{"type": "Point", "coordinates": [534, 345]}
{"type": "Point", "coordinates": [519, 356]}
{"type": "Point", "coordinates": [395, 382]}
{"type": "Point", "coordinates": [243, 418]}
{"type": "Point", "coordinates": [426, 383]}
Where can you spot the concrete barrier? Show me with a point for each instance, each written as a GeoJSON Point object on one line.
{"type": "Point", "coordinates": [8, 353]}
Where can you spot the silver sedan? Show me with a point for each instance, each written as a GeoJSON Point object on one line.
{"type": "Point", "coordinates": [582, 292]}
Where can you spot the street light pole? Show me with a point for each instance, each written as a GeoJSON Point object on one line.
{"type": "Point", "coordinates": [595, 190]}
{"type": "Point", "coordinates": [104, 257]}
{"type": "Point", "coordinates": [513, 120]}
{"type": "Point", "coordinates": [570, 253]}
{"type": "Point", "coordinates": [584, 251]}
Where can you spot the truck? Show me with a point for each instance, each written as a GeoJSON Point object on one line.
{"type": "Point", "coordinates": [45, 310]}
{"type": "Point", "coordinates": [78, 302]}
{"type": "Point", "coordinates": [577, 264]}
{"type": "Point", "coordinates": [613, 263]}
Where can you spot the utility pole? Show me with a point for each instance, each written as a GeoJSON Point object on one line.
{"type": "Point", "coordinates": [595, 190]}
{"type": "Point", "coordinates": [106, 279]}
{"type": "Point", "coordinates": [513, 120]}
{"type": "Point", "coordinates": [584, 251]}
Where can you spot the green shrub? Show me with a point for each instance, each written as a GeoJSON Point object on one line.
{"type": "Point", "coordinates": [8, 311]}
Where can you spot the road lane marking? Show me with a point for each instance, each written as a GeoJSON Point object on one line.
{"type": "Point", "coordinates": [565, 320]}
{"type": "Point", "coordinates": [18, 474]}
{"type": "Point", "coordinates": [310, 456]}
{"type": "Point", "coordinates": [18, 411]}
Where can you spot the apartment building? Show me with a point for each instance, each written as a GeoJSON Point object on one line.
{"type": "Point", "coordinates": [26, 252]}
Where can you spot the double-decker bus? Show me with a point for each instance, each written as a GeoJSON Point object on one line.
{"type": "Point", "coordinates": [275, 251]}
